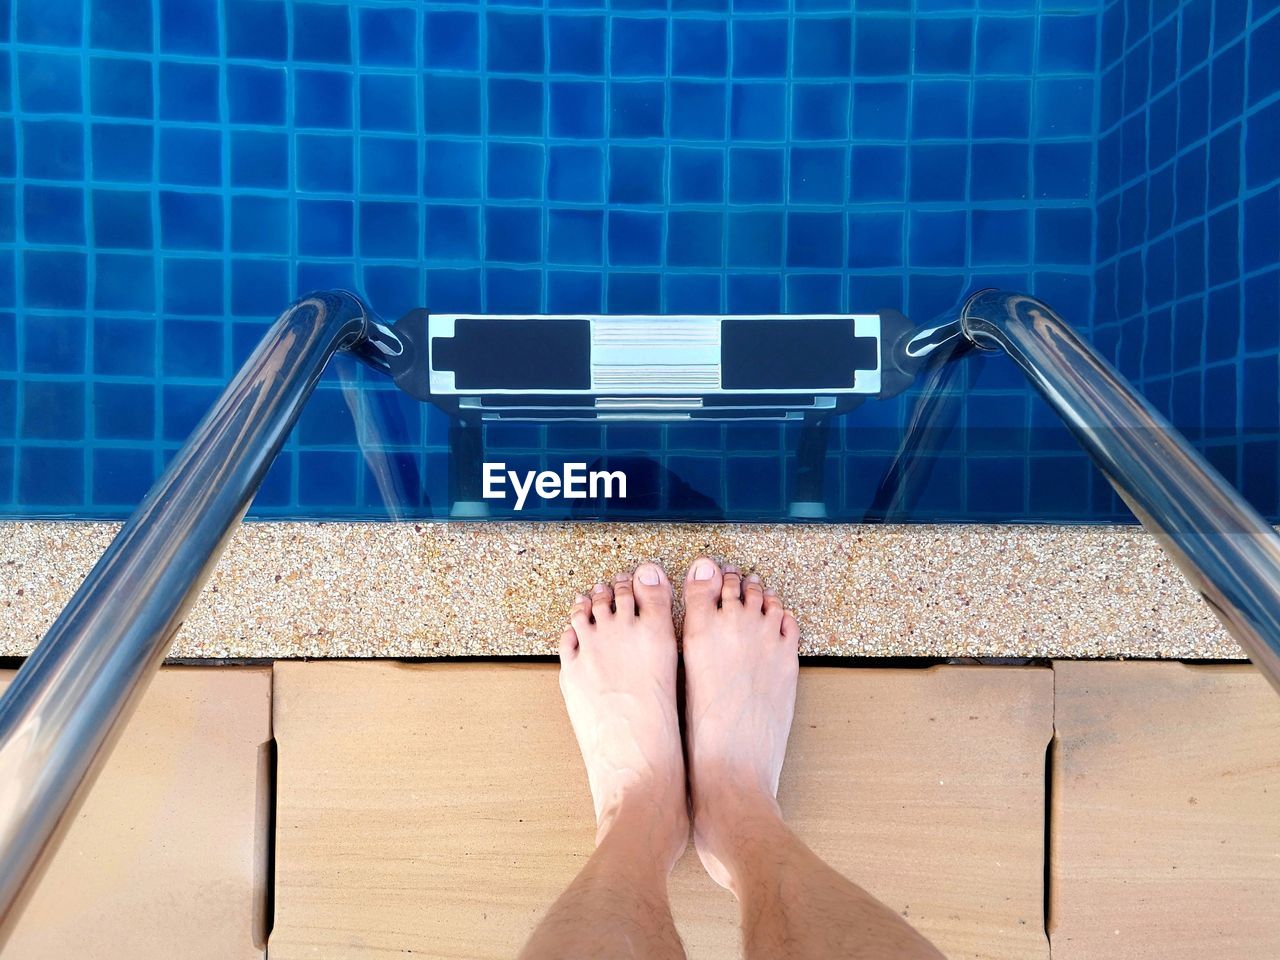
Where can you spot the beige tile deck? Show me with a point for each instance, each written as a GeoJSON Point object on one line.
{"type": "Point", "coordinates": [1166, 813]}
{"type": "Point", "coordinates": [168, 855]}
{"type": "Point", "coordinates": [440, 808]}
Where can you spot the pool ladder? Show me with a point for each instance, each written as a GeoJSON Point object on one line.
{"type": "Point", "coordinates": [70, 699]}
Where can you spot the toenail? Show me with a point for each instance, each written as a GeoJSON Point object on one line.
{"type": "Point", "coordinates": [770, 592]}
{"type": "Point", "coordinates": [730, 568]}
{"type": "Point", "coordinates": [598, 588]}
{"type": "Point", "coordinates": [704, 570]}
{"type": "Point", "coordinates": [753, 579]}
{"type": "Point", "coordinates": [648, 576]}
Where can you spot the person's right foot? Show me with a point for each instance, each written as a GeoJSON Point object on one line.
{"type": "Point", "coordinates": [618, 676]}
{"type": "Point", "coordinates": [741, 666]}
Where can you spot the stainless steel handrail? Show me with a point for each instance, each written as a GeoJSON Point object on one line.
{"type": "Point", "coordinates": [59, 717]}
{"type": "Point", "coordinates": [1224, 547]}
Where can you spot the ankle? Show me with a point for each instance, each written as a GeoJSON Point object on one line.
{"type": "Point", "coordinates": [648, 831]}
{"type": "Point", "coordinates": [735, 814]}
{"type": "Point", "coordinates": [737, 833]}
{"type": "Point", "coordinates": [723, 796]}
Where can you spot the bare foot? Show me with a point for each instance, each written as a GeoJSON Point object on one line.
{"type": "Point", "coordinates": [741, 665]}
{"type": "Point", "coordinates": [618, 676]}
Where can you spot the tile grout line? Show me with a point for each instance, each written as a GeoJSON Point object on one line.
{"type": "Point", "coordinates": [1050, 762]}
{"type": "Point", "coordinates": [272, 789]}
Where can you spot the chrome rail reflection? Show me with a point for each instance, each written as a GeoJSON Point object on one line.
{"type": "Point", "coordinates": [1224, 547]}
{"type": "Point", "coordinates": [60, 714]}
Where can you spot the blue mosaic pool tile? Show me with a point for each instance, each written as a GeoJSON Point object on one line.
{"type": "Point", "coordinates": [120, 88]}
{"type": "Point", "coordinates": [51, 344]}
{"type": "Point", "coordinates": [190, 221]}
{"type": "Point", "coordinates": [192, 287]}
{"type": "Point", "coordinates": [189, 157]}
{"type": "Point", "coordinates": [52, 410]}
{"type": "Point", "coordinates": [755, 175]}
{"type": "Point", "coordinates": [327, 478]}
{"type": "Point", "coordinates": [1067, 43]}
{"type": "Point", "coordinates": [121, 152]}
{"type": "Point", "coordinates": [189, 28]}
{"type": "Point", "coordinates": [880, 111]}
{"type": "Point", "coordinates": [699, 48]}
{"type": "Point", "coordinates": [817, 174]}
{"type": "Point", "coordinates": [452, 233]}
{"type": "Point", "coordinates": [575, 237]}
{"type": "Point", "coordinates": [51, 476]}
{"type": "Point", "coordinates": [514, 159]}
{"type": "Point", "coordinates": [882, 46]}
{"type": "Point", "coordinates": [755, 238]}
{"type": "Point", "coordinates": [939, 172]}
{"type": "Point", "coordinates": [120, 475]}
{"type": "Point", "coordinates": [255, 29]}
{"type": "Point", "coordinates": [259, 159]}
{"type": "Point", "coordinates": [389, 166]}
{"type": "Point", "coordinates": [636, 174]}
{"type": "Point", "coordinates": [49, 82]}
{"type": "Point", "coordinates": [820, 111]}
{"type": "Point", "coordinates": [54, 279]}
{"type": "Point", "coordinates": [516, 106]}
{"type": "Point", "coordinates": [124, 281]}
{"type": "Point", "coordinates": [387, 36]}
{"type": "Point", "coordinates": [388, 103]}
{"type": "Point", "coordinates": [322, 99]}
{"type": "Point", "coordinates": [1064, 107]}
{"type": "Point", "coordinates": [875, 240]}
{"type": "Point", "coordinates": [507, 289]}
{"type": "Point", "coordinates": [43, 23]}
{"type": "Point", "coordinates": [576, 110]}
{"type": "Point", "coordinates": [638, 47]}
{"type": "Point", "coordinates": [1197, 328]}
{"type": "Point", "coordinates": [814, 239]}
{"type": "Point", "coordinates": [53, 214]}
{"type": "Point", "coordinates": [1004, 45]}
{"type": "Point", "coordinates": [453, 104]}
{"type": "Point", "coordinates": [8, 412]}
{"type": "Point", "coordinates": [124, 411]}
{"type": "Point", "coordinates": [54, 150]}
{"type": "Point", "coordinates": [188, 91]}
{"type": "Point", "coordinates": [321, 33]}
{"type": "Point", "coordinates": [255, 95]}
{"type": "Point", "coordinates": [120, 25]}
{"type": "Point", "coordinates": [635, 240]}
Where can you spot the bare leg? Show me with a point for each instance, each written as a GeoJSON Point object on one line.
{"type": "Point", "coordinates": [618, 676]}
{"type": "Point", "coordinates": [741, 668]}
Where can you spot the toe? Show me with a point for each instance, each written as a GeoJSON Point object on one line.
{"type": "Point", "coordinates": [580, 614]}
{"type": "Point", "coordinates": [601, 602]}
{"type": "Point", "coordinates": [773, 607]}
{"type": "Point", "coordinates": [652, 590]}
{"type": "Point", "coordinates": [702, 588]}
{"type": "Point", "coordinates": [732, 590]}
{"type": "Point", "coordinates": [790, 629]}
{"type": "Point", "coordinates": [753, 593]}
{"type": "Point", "coordinates": [568, 645]}
{"type": "Point", "coordinates": [624, 600]}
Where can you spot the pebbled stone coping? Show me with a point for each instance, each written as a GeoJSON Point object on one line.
{"type": "Point", "coordinates": [403, 589]}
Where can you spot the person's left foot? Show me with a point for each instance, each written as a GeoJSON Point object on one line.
{"type": "Point", "coordinates": [618, 676]}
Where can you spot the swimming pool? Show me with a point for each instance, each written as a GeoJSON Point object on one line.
{"type": "Point", "coordinates": [173, 174]}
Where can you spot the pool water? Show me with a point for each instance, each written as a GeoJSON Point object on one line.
{"type": "Point", "coordinates": [174, 173]}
